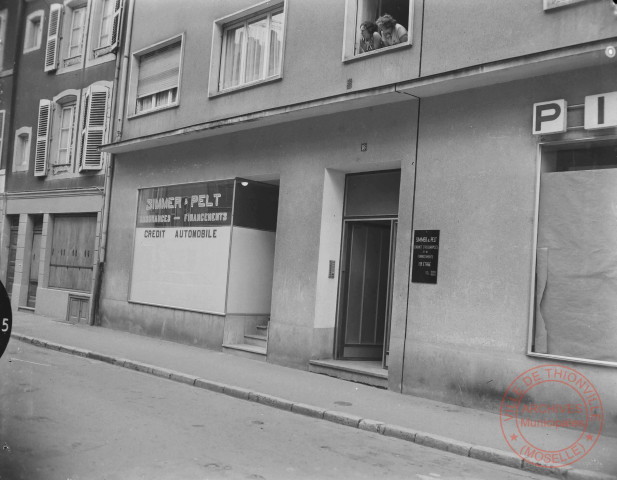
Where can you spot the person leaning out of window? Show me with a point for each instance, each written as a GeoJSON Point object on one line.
{"type": "Point", "coordinates": [371, 40]}
{"type": "Point", "coordinates": [392, 32]}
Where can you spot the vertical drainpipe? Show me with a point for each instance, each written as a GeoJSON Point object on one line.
{"type": "Point", "coordinates": [120, 77]}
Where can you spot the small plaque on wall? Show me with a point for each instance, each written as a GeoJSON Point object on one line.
{"type": "Point", "coordinates": [425, 256]}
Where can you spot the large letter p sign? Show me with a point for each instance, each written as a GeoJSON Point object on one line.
{"type": "Point", "coordinates": [549, 117]}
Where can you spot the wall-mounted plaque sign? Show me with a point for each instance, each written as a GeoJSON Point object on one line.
{"type": "Point", "coordinates": [425, 256]}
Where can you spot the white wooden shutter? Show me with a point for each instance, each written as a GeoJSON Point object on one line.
{"type": "Point", "coordinates": [116, 24]}
{"type": "Point", "coordinates": [53, 37]}
{"type": "Point", "coordinates": [42, 138]}
{"type": "Point", "coordinates": [93, 127]}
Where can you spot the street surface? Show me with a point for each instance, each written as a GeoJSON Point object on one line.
{"type": "Point", "coordinates": [65, 417]}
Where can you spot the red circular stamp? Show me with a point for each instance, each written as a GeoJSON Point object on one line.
{"type": "Point", "coordinates": [551, 416]}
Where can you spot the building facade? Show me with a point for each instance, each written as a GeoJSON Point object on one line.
{"type": "Point", "coordinates": [55, 173]}
{"type": "Point", "coordinates": [426, 216]}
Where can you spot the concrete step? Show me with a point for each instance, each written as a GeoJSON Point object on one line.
{"type": "Point", "coordinates": [262, 330]}
{"type": "Point", "coordinates": [247, 351]}
{"type": "Point", "coordinates": [256, 340]}
{"type": "Point", "coordinates": [368, 373]}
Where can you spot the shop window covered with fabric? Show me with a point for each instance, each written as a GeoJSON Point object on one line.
{"type": "Point", "coordinates": [575, 311]}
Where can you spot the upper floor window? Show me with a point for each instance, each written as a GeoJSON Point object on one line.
{"type": "Point", "coordinates": [105, 27]}
{"type": "Point", "coordinates": [70, 130]}
{"type": "Point", "coordinates": [76, 32]}
{"type": "Point", "coordinates": [34, 31]}
{"type": "Point", "coordinates": [63, 114]}
{"type": "Point", "coordinates": [252, 50]}
{"type": "Point", "coordinates": [250, 47]}
{"type": "Point", "coordinates": [373, 25]}
{"type": "Point", "coordinates": [21, 152]}
{"type": "Point", "coordinates": [82, 30]}
{"type": "Point", "coordinates": [157, 76]}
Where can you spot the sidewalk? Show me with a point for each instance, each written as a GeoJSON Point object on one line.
{"type": "Point", "coordinates": [461, 430]}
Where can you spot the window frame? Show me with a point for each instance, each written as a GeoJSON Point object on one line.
{"type": "Point", "coordinates": [25, 153]}
{"type": "Point", "coordinates": [352, 27]}
{"type": "Point", "coordinates": [40, 14]}
{"type": "Point", "coordinates": [2, 128]}
{"type": "Point", "coordinates": [97, 54]}
{"type": "Point", "coordinates": [65, 62]}
{"type": "Point", "coordinates": [217, 54]}
{"type": "Point", "coordinates": [59, 103]}
{"type": "Point", "coordinates": [132, 97]}
{"type": "Point", "coordinates": [543, 148]}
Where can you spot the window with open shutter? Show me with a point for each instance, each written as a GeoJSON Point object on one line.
{"type": "Point", "coordinates": [93, 127]}
{"type": "Point", "coordinates": [53, 37]}
{"type": "Point", "coordinates": [116, 24]}
{"type": "Point", "coordinates": [42, 138]}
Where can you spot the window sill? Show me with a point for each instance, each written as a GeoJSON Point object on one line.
{"type": "Point", "coordinates": [246, 86]}
{"type": "Point", "coordinates": [362, 56]}
{"type": "Point", "coordinates": [31, 49]}
{"type": "Point", "coordinates": [152, 110]}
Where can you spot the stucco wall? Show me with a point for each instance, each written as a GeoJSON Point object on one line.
{"type": "Point", "coordinates": [312, 66]}
{"type": "Point", "coordinates": [476, 182]}
{"type": "Point", "coordinates": [296, 154]}
{"type": "Point", "coordinates": [473, 32]}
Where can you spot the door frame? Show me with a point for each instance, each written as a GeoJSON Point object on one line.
{"type": "Point", "coordinates": [341, 320]}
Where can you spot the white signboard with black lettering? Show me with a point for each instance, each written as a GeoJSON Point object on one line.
{"type": "Point", "coordinates": [550, 117]}
{"type": "Point", "coordinates": [601, 111]}
{"type": "Point", "coordinates": [182, 240]}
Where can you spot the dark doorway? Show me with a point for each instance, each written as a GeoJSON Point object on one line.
{"type": "Point", "coordinates": [367, 263]}
{"type": "Point", "coordinates": [10, 273]}
{"type": "Point", "coordinates": [35, 257]}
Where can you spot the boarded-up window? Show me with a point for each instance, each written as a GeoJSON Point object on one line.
{"type": "Point", "coordinates": [576, 260]}
{"type": "Point", "coordinates": [72, 252]}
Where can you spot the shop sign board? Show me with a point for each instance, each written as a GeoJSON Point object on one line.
{"type": "Point", "coordinates": [425, 256]}
{"type": "Point", "coordinates": [181, 251]}
{"type": "Point", "coordinates": [601, 111]}
{"type": "Point", "coordinates": [551, 117]}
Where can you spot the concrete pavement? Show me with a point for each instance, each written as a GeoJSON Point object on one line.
{"type": "Point", "coordinates": [460, 430]}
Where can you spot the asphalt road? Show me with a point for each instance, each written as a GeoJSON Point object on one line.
{"type": "Point", "coordinates": [64, 417]}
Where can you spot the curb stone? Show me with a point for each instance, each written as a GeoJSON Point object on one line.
{"type": "Point", "coordinates": [342, 418]}
{"type": "Point", "coordinates": [308, 410]}
{"type": "Point", "coordinates": [493, 455]}
{"type": "Point", "coordinates": [456, 447]}
{"type": "Point", "coordinates": [401, 433]}
{"type": "Point", "coordinates": [576, 474]}
{"type": "Point", "coordinates": [443, 443]}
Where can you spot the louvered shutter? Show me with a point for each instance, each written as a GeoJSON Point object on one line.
{"type": "Point", "coordinates": [93, 128]}
{"type": "Point", "coordinates": [42, 138]}
{"type": "Point", "coordinates": [116, 24]}
{"type": "Point", "coordinates": [53, 37]}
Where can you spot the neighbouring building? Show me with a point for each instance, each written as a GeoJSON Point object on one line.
{"type": "Point", "coordinates": [66, 66]}
{"type": "Point", "coordinates": [435, 217]}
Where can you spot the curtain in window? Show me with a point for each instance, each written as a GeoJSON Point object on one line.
{"type": "Point", "coordinates": [234, 39]}
{"type": "Point", "coordinates": [256, 49]}
{"type": "Point", "coordinates": [276, 44]}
